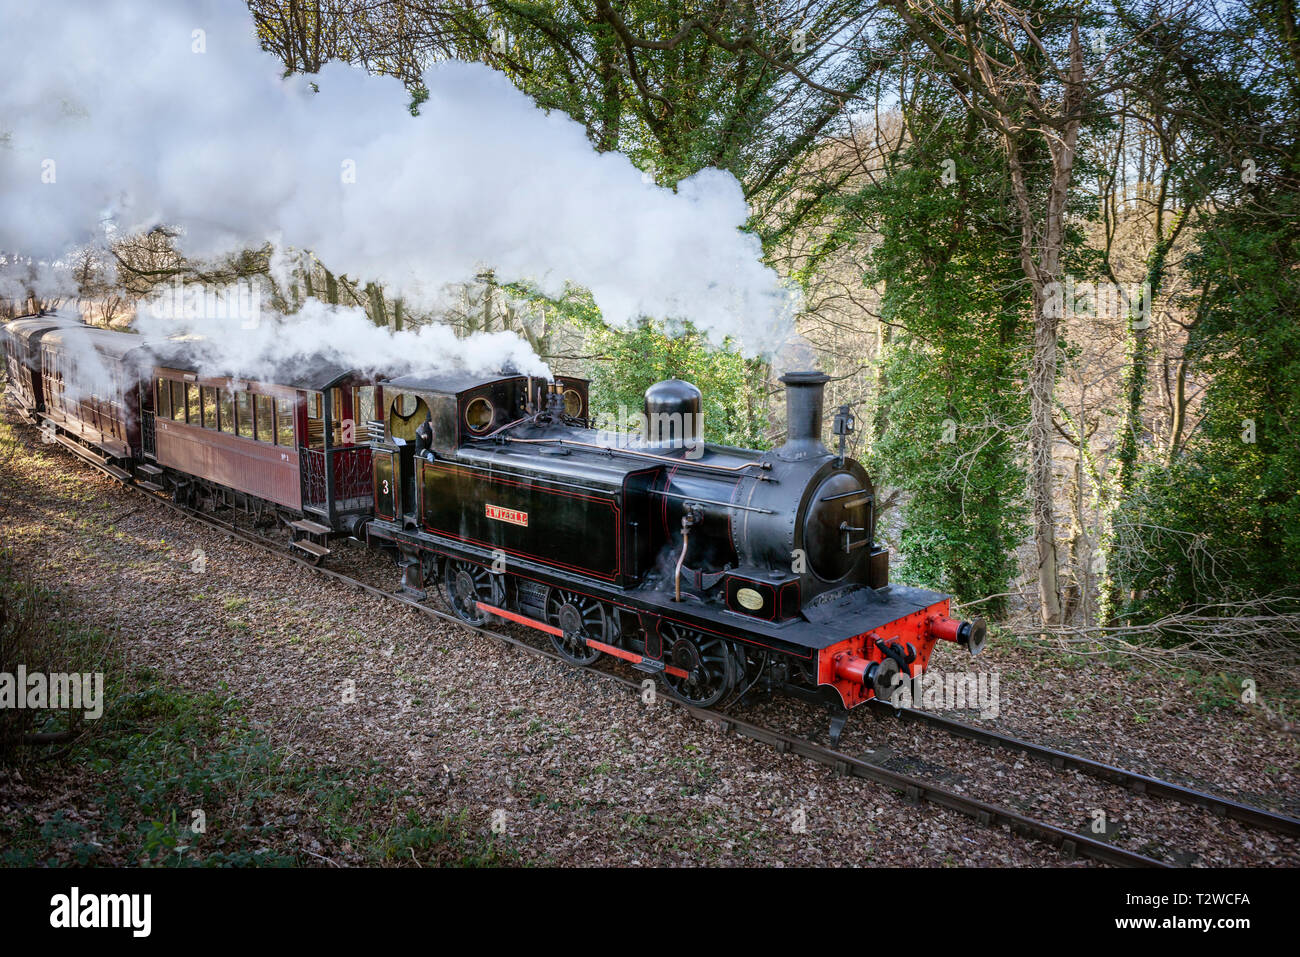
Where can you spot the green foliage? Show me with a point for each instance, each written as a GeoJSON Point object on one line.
{"type": "Point", "coordinates": [33, 635]}
{"type": "Point", "coordinates": [622, 364]}
{"type": "Point", "coordinates": [449, 840]}
{"type": "Point", "coordinates": [953, 405]}
{"type": "Point", "coordinates": [157, 755]}
{"type": "Point", "coordinates": [1221, 522]}
{"type": "Point", "coordinates": [630, 362]}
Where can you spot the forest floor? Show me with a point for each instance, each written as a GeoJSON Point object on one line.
{"type": "Point", "coordinates": [302, 722]}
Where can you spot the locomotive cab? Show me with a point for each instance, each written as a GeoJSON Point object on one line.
{"type": "Point", "coordinates": [428, 416]}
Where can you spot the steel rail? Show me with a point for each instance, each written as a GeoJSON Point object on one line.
{"type": "Point", "coordinates": [1138, 783]}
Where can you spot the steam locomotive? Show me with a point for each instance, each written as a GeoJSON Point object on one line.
{"type": "Point", "coordinates": [715, 569]}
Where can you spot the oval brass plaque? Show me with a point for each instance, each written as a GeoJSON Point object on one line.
{"type": "Point", "coordinates": [750, 599]}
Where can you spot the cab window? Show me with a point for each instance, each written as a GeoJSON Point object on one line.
{"type": "Point", "coordinates": [406, 413]}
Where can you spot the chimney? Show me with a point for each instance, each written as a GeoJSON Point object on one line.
{"type": "Point", "coordinates": [804, 395]}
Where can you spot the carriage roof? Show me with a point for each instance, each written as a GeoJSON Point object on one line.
{"type": "Point", "coordinates": [312, 373]}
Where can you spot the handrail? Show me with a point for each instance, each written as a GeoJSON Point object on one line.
{"type": "Point", "coordinates": [613, 450]}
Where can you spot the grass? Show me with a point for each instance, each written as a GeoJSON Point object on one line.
{"type": "Point", "coordinates": [172, 777]}
{"type": "Point", "coordinates": [1215, 691]}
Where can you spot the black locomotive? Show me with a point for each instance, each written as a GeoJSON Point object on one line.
{"type": "Point", "coordinates": [717, 569]}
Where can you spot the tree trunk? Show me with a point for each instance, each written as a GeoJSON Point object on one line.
{"type": "Point", "coordinates": [881, 420]}
{"type": "Point", "coordinates": [378, 313]}
{"type": "Point", "coordinates": [1042, 387]}
{"type": "Point", "coordinates": [1134, 391]}
{"type": "Point", "coordinates": [1179, 403]}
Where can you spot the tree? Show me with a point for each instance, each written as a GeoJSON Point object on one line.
{"type": "Point", "coordinates": [953, 378]}
{"type": "Point", "coordinates": [1020, 68]}
{"type": "Point", "coordinates": [1217, 522]}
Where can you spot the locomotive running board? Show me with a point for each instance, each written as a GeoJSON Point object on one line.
{"type": "Point", "coordinates": [626, 655]}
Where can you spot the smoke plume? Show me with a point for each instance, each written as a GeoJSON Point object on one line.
{"type": "Point", "coordinates": [118, 116]}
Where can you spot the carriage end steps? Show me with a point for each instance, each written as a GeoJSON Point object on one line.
{"type": "Point", "coordinates": [310, 527]}
{"type": "Point", "coordinates": [311, 548]}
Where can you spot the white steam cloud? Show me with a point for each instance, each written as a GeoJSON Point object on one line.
{"type": "Point", "coordinates": [342, 335]}
{"type": "Point", "coordinates": [123, 115]}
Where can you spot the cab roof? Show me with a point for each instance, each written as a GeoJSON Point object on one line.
{"type": "Point", "coordinates": [452, 382]}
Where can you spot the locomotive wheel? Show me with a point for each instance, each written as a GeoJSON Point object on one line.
{"type": "Point", "coordinates": [464, 586]}
{"type": "Point", "coordinates": [580, 618]}
{"type": "Point", "coordinates": [709, 662]}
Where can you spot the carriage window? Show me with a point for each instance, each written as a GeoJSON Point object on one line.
{"type": "Point", "coordinates": [226, 402]}
{"type": "Point", "coordinates": [363, 407]}
{"type": "Point", "coordinates": [178, 401]}
{"type": "Point", "coordinates": [164, 399]}
{"type": "Point", "coordinates": [313, 405]}
{"type": "Point", "coordinates": [284, 422]}
{"type": "Point", "coordinates": [478, 414]}
{"type": "Point", "coordinates": [209, 407]}
{"type": "Point", "coordinates": [244, 414]}
{"type": "Point", "coordinates": [192, 392]}
{"type": "Point", "coordinates": [336, 416]}
{"type": "Point", "coordinates": [265, 418]}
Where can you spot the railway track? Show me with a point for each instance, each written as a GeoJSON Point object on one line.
{"type": "Point", "coordinates": [1070, 843]}
{"type": "Point", "coordinates": [1137, 783]}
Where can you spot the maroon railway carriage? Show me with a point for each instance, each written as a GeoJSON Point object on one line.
{"type": "Point", "coordinates": [293, 440]}
{"type": "Point", "coordinates": [91, 380]}
{"type": "Point", "coordinates": [293, 443]}
{"type": "Point", "coordinates": [81, 384]}
{"type": "Point", "coordinates": [21, 343]}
